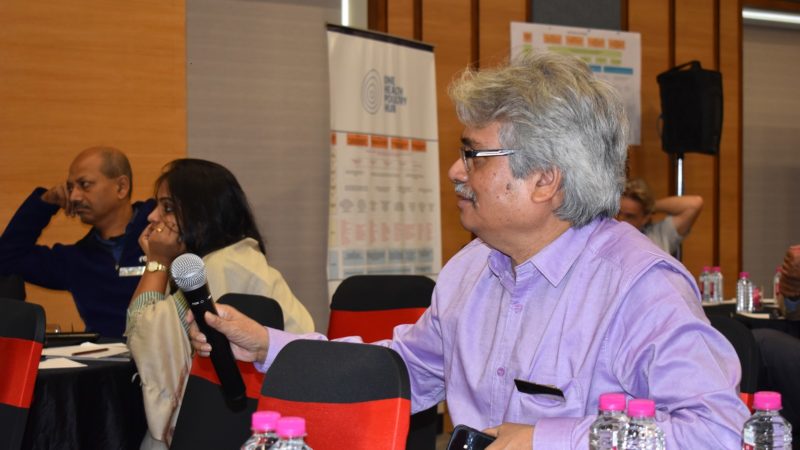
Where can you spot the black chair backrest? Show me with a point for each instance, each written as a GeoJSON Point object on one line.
{"type": "Point", "coordinates": [263, 310]}
{"type": "Point", "coordinates": [389, 298]}
{"type": "Point", "coordinates": [353, 396]}
{"type": "Point", "coordinates": [377, 292]}
{"type": "Point", "coordinates": [746, 348]}
{"type": "Point", "coordinates": [205, 419]}
{"type": "Point", "coordinates": [12, 287]}
{"type": "Point", "coordinates": [21, 340]}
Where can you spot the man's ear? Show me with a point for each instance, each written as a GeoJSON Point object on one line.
{"type": "Point", "coordinates": [123, 186]}
{"type": "Point", "coordinates": [548, 185]}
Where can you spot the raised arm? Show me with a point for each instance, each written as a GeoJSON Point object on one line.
{"type": "Point", "coordinates": [684, 210]}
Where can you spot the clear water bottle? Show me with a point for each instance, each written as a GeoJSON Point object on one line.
{"type": "Point", "coordinates": [642, 432]}
{"type": "Point", "coordinates": [606, 432]}
{"type": "Point", "coordinates": [744, 293]}
{"type": "Point", "coordinates": [705, 284]}
{"type": "Point", "coordinates": [776, 283]}
{"type": "Point", "coordinates": [766, 429]}
{"type": "Point", "coordinates": [717, 296]}
{"type": "Point", "coordinates": [263, 426]}
{"type": "Point", "coordinates": [291, 434]}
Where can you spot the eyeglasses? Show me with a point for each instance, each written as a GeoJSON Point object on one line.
{"type": "Point", "coordinates": [467, 155]}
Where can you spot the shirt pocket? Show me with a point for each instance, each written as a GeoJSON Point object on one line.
{"type": "Point", "coordinates": [547, 405]}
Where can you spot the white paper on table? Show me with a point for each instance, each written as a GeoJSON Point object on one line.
{"type": "Point", "coordinates": [754, 315]}
{"type": "Point", "coordinates": [69, 351]}
{"type": "Point", "coordinates": [59, 363]}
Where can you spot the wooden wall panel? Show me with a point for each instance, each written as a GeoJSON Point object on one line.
{"type": "Point", "coordinates": [729, 227]}
{"type": "Point", "coordinates": [447, 25]}
{"type": "Point", "coordinates": [401, 18]}
{"type": "Point", "coordinates": [695, 39]}
{"type": "Point", "coordinates": [82, 73]}
{"type": "Point", "coordinates": [650, 18]}
{"type": "Point", "coordinates": [494, 19]}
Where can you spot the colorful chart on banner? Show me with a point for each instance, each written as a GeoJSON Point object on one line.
{"type": "Point", "coordinates": [384, 197]}
{"type": "Point", "coordinates": [613, 55]}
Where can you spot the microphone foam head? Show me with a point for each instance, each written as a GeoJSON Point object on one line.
{"type": "Point", "coordinates": [188, 271]}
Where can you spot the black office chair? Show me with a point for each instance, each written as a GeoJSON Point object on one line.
{"type": "Point", "coordinates": [371, 306]}
{"type": "Point", "coordinates": [205, 419]}
{"type": "Point", "coordinates": [746, 348]}
{"type": "Point", "coordinates": [21, 341]}
{"type": "Point", "coordinates": [353, 396]}
{"type": "Point", "coordinates": [12, 287]}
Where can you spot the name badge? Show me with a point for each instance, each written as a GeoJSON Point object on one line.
{"type": "Point", "coordinates": [135, 271]}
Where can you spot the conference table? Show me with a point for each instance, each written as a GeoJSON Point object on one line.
{"type": "Point", "coordinates": [766, 317]}
{"type": "Point", "coordinates": [98, 406]}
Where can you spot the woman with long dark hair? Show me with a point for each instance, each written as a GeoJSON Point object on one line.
{"type": "Point", "coordinates": [202, 209]}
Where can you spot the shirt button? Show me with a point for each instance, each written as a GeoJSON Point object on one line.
{"type": "Point", "coordinates": [516, 307]}
{"type": "Point", "coordinates": [501, 371]}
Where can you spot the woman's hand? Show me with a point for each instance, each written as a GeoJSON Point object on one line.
{"type": "Point", "coordinates": [161, 242]}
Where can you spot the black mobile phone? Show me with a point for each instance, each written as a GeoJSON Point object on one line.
{"type": "Point", "coordinates": [468, 438]}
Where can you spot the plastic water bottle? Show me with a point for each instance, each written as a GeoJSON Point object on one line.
{"type": "Point", "coordinates": [263, 426]}
{"type": "Point", "coordinates": [766, 429]}
{"type": "Point", "coordinates": [705, 284]}
{"type": "Point", "coordinates": [291, 434]}
{"type": "Point", "coordinates": [606, 432]}
{"type": "Point", "coordinates": [642, 432]}
{"type": "Point", "coordinates": [717, 295]}
{"type": "Point", "coordinates": [744, 293]}
{"type": "Point", "coordinates": [776, 283]}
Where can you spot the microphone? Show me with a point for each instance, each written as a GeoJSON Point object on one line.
{"type": "Point", "coordinates": [189, 273]}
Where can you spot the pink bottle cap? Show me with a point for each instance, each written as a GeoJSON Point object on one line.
{"type": "Point", "coordinates": [265, 420]}
{"type": "Point", "coordinates": [767, 401]}
{"type": "Point", "coordinates": [706, 268]}
{"type": "Point", "coordinates": [291, 427]}
{"type": "Point", "coordinates": [612, 402]}
{"type": "Point", "coordinates": [717, 269]}
{"type": "Point", "coordinates": [744, 275]}
{"type": "Point", "coordinates": [641, 407]}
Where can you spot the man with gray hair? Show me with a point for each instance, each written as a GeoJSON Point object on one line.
{"type": "Point", "coordinates": [555, 302]}
{"type": "Point", "coordinates": [101, 270]}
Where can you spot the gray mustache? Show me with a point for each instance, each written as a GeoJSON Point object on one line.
{"type": "Point", "coordinates": [464, 191]}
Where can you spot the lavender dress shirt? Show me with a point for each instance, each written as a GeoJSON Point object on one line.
{"type": "Point", "coordinates": [600, 309]}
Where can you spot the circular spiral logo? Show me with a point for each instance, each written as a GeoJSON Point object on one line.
{"type": "Point", "coordinates": [372, 92]}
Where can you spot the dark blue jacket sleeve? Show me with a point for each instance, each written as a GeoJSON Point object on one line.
{"type": "Point", "coordinates": [19, 254]}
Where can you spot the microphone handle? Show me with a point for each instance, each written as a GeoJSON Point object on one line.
{"type": "Point", "coordinates": [221, 355]}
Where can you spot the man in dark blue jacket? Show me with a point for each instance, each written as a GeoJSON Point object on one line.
{"type": "Point", "coordinates": [102, 269]}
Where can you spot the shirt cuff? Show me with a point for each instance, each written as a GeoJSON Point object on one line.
{"type": "Point", "coordinates": [554, 433]}
{"type": "Point", "coordinates": [277, 340]}
{"type": "Point", "coordinates": [139, 303]}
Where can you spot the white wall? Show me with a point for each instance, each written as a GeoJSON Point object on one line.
{"type": "Point", "coordinates": [258, 103]}
{"type": "Point", "coordinates": [771, 149]}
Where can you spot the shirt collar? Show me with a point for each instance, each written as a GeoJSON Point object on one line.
{"type": "Point", "coordinates": [553, 261]}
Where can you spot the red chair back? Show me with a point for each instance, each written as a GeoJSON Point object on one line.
{"type": "Point", "coordinates": [206, 419]}
{"type": "Point", "coordinates": [371, 306]}
{"type": "Point", "coordinates": [22, 327]}
{"type": "Point", "coordinates": [353, 396]}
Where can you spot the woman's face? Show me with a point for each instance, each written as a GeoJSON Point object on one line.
{"type": "Point", "coordinates": [164, 212]}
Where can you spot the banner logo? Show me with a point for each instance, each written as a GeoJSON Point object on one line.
{"type": "Point", "coordinates": [371, 90]}
{"type": "Point", "coordinates": [393, 94]}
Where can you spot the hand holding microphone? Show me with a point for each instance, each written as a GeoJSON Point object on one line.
{"type": "Point", "coordinates": [189, 274]}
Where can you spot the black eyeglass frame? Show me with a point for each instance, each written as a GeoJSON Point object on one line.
{"type": "Point", "coordinates": [469, 154]}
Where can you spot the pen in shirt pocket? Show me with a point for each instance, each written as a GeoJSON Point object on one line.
{"type": "Point", "coordinates": [527, 387]}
